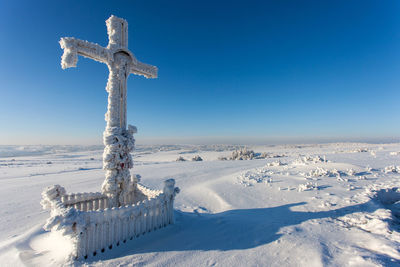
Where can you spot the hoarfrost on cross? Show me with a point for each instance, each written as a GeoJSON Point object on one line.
{"type": "Point", "coordinates": [118, 139]}
{"type": "Point", "coordinates": [124, 209]}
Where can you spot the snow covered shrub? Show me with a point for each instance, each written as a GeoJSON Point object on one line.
{"type": "Point", "coordinates": [266, 155]}
{"type": "Point", "coordinates": [243, 154]}
{"type": "Point", "coordinates": [197, 158]}
{"type": "Point", "coordinates": [359, 150]}
{"type": "Point", "coordinates": [392, 168]}
{"type": "Point", "coordinates": [308, 186]}
{"type": "Point", "coordinates": [249, 178]}
{"type": "Point", "coordinates": [307, 159]}
{"type": "Point", "coordinates": [275, 163]}
{"type": "Point", "coordinates": [180, 159]}
{"type": "Point", "coordinates": [321, 172]}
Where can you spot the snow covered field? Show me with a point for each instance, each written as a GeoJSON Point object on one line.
{"type": "Point", "coordinates": [302, 205]}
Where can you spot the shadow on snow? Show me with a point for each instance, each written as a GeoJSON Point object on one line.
{"type": "Point", "coordinates": [229, 230]}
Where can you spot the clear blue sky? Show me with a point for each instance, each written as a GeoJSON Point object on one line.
{"type": "Point", "coordinates": [228, 70]}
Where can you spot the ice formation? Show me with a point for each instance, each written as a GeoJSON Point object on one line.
{"type": "Point", "coordinates": [118, 140]}
{"type": "Point", "coordinates": [124, 208]}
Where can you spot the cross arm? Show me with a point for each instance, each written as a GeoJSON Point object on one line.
{"type": "Point", "coordinates": [144, 69]}
{"type": "Point", "coordinates": [73, 47]}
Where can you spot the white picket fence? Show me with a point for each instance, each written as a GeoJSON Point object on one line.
{"type": "Point", "coordinates": [97, 227]}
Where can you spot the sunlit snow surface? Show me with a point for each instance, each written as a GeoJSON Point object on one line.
{"type": "Point", "coordinates": [304, 205]}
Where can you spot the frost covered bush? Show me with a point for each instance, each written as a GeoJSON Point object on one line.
{"type": "Point", "coordinates": [180, 159]}
{"type": "Point", "coordinates": [308, 186]}
{"type": "Point", "coordinates": [275, 163]}
{"type": "Point", "coordinates": [197, 158]}
{"type": "Point", "coordinates": [266, 155]}
{"type": "Point", "coordinates": [359, 150]}
{"type": "Point", "coordinates": [243, 154]}
{"type": "Point", "coordinates": [392, 168]}
{"type": "Point", "coordinates": [249, 178]}
{"type": "Point", "coordinates": [321, 172]}
{"type": "Point", "coordinates": [351, 172]}
{"type": "Point", "coordinates": [308, 159]}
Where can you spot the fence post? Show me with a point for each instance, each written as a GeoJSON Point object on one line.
{"type": "Point", "coordinates": [170, 191]}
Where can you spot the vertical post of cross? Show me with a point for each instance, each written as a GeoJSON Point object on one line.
{"type": "Point", "coordinates": [118, 140]}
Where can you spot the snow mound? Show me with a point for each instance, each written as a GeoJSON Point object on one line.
{"type": "Point", "coordinates": [380, 216]}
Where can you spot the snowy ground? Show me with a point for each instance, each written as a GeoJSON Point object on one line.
{"type": "Point", "coordinates": [305, 205]}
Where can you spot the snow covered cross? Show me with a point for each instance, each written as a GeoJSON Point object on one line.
{"type": "Point", "coordinates": [118, 140]}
